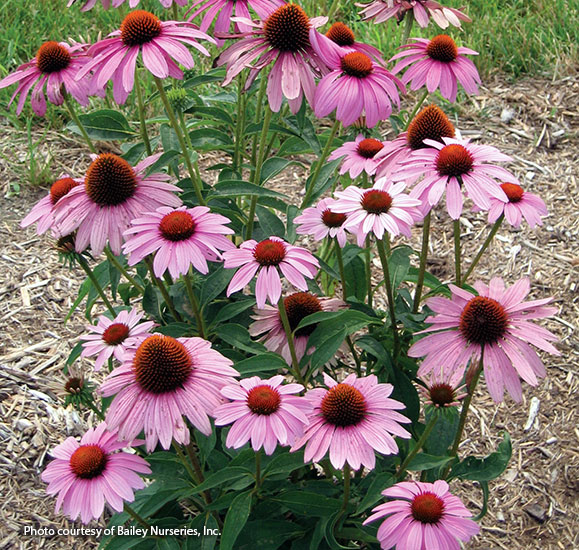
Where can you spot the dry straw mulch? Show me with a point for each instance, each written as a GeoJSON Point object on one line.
{"type": "Point", "coordinates": [534, 503]}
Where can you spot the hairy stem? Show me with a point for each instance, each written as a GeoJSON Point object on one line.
{"type": "Point", "coordinates": [290, 340]}
{"type": "Point", "coordinates": [484, 246]}
{"type": "Point", "coordinates": [422, 267]}
{"type": "Point", "coordinates": [420, 443]}
{"type": "Point", "coordinates": [113, 259]}
{"type": "Point", "coordinates": [70, 107]}
{"type": "Point", "coordinates": [390, 292]}
{"type": "Point", "coordinates": [84, 264]}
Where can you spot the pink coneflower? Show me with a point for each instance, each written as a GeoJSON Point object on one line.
{"type": "Point", "coordinates": [297, 306]}
{"type": "Point", "coordinates": [359, 156]}
{"type": "Point", "coordinates": [114, 336]}
{"type": "Point", "coordinates": [443, 388]}
{"type": "Point", "coordinates": [352, 419]}
{"type": "Point", "coordinates": [264, 411]}
{"type": "Point", "coordinates": [522, 204]}
{"type": "Point", "coordinates": [55, 68]}
{"type": "Point", "coordinates": [87, 475]}
{"type": "Point", "coordinates": [221, 12]}
{"type": "Point", "coordinates": [356, 85]}
{"type": "Point", "coordinates": [423, 10]}
{"type": "Point", "coordinates": [439, 64]}
{"type": "Point", "coordinates": [451, 166]}
{"type": "Point", "coordinates": [496, 322]}
{"type": "Point", "coordinates": [89, 4]}
{"type": "Point", "coordinates": [430, 123]}
{"type": "Point", "coordinates": [382, 208]}
{"type": "Point", "coordinates": [321, 222]}
{"type": "Point", "coordinates": [343, 36]}
{"type": "Point", "coordinates": [113, 194]}
{"type": "Point", "coordinates": [42, 211]}
{"type": "Point", "coordinates": [181, 238]}
{"type": "Point", "coordinates": [284, 38]}
{"type": "Point", "coordinates": [265, 258]}
{"type": "Point", "coordinates": [163, 380]}
{"type": "Point", "coordinates": [423, 516]}
{"type": "Point", "coordinates": [162, 44]}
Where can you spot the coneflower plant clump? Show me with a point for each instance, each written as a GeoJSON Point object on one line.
{"type": "Point", "coordinates": [268, 369]}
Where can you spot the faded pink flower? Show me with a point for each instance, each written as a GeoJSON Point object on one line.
{"type": "Point", "coordinates": [359, 156]}
{"type": "Point", "coordinates": [283, 38]}
{"type": "Point", "coordinates": [89, 4]}
{"type": "Point", "coordinates": [352, 419]}
{"type": "Point", "coordinates": [521, 204]}
{"type": "Point", "coordinates": [343, 36]}
{"type": "Point", "coordinates": [163, 380]}
{"type": "Point", "coordinates": [382, 208]}
{"type": "Point", "coordinates": [265, 258]}
{"type": "Point", "coordinates": [496, 323]}
{"type": "Point", "coordinates": [422, 10]}
{"type": "Point", "coordinates": [452, 166]}
{"type": "Point", "coordinates": [264, 411]}
{"type": "Point", "coordinates": [438, 63]}
{"type": "Point", "coordinates": [298, 306]}
{"type": "Point", "coordinates": [114, 336]}
{"type": "Point", "coordinates": [42, 212]}
{"type": "Point", "coordinates": [55, 68]}
{"type": "Point", "coordinates": [180, 238]}
{"type": "Point", "coordinates": [321, 222]}
{"type": "Point", "coordinates": [423, 516]}
{"type": "Point", "coordinates": [162, 45]}
{"type": "Point", "coordinates": [112, 195]}
{"type": "Point", "coordinates": [87, 475]}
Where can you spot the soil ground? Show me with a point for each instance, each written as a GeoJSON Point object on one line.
{"type": "Point", "coordinates": [534, 505]}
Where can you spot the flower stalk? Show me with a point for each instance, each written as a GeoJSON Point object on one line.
{"type": "Point", "coordinates": [484, 246]}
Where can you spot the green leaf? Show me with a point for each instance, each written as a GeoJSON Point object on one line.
{"type": "Point", "coordinates": [219, 478]}
{"type": "Point", "coordinates": [429, 280]}
{"type": "Point", "coordinates": [232, 310]}
{"type": "Point", "coordinates": [207, 139]}
{"type": "Point", "coordinates": [323, 180]}
{"type": "Point", "coordinates": [151, 301]}
{"type": "Point", "coordinates": [308, 504]}
{"type": "Point", "coordinates": [74, 354]}
{"type": "Point", "coordinates": [423, 461]}
{"type": "Point", "coordinates": [373, 494]}
{"type": "Point", "coordinates": [291, 213]}
{"type": "Point", "coordinates": [444, 431]}
{"type": "Point", "coordinates": [266, 534]}
{"type": "Point", "coordinates": [272, 167]}
{"type": "Point", "coordinates": [347, 318]}
{"type": "Point", "coordinates": [239, 188]}
{"type": "Point", "coordinates": [405, 391]}
{"type": "Point", "coordinates": [270, 224]}
{"type": "Point", "coordinates": [164, 160]}
{"type": "Point", "coordinates": [399, 264]}
{"type": "Point", "coordinates": [355, 274]}
{"type": "Point", "coordinates": [104, 125]}
{"type": "Point", "coordinates": [488, 468]}
{"type": "Point", "coordinates": [285, 463]}
{"type": "Point", "coordinates": [485, 489]}
{"type": "Point", "coordinates": [215, 284]}
{"type": "Point", "coordinates": [235, 520]}
{"type": "Point", "coordinates": [264, 362]}
{"type": "Point", "coordinates": [212, 113]}
{"type": "Point", "coordinates": [238, 337]}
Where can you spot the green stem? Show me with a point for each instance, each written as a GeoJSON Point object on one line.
{"type": "Point", "coordinates": [464, 411]}
{"type": "Point", "coordinates": [175, 124]}
{"type": "Point", "coordinates": [113, 259]}
{"type": "Point", "coordinates": [341, 268]}
{"type": "Point", "coordinates": [415, 110]}
{"type": "Point", "coordinates": [93, 408]}
{"type": "Point", "coordinates": [257, 470]}
{"type": "Point", "coordinates": [186, 463]}
{"type": "Point", "coordinates": [457, 252]}
{"type": "Point", "coordinates": [142, 120]}
{"type": "Point", "coordinates": [175, 12]}
{"type": "Point", "coordinates": [407, 26]}
{"type": "Point", "coordinates": [164, 292]}
{"type": "Point", "coordinates": [346, 475]}
{"type": "Point", "coordinates": [368, 253]}
{"type": "Point", "coordinates": [140, 520]}
{"type": "Point", "coordinates": [83, 263]}
{"type": "Point", "coordinates": [355, 356]}
{"type": "Point", "coordinates": [290, 340]}
{"type": "Point", "coordinates": [257, 173]}
{"type": "Point", "coordinates": [240, 126]}
{"type": "Point", "coordinates": [485, 245]}
{"type": "Point", "coordinates": [195, 305]}
{"type": "Point", "coordinates": [258, 108]}
{"type": "Point", "coordinates": [429, 427]}
{"type": "Point", "coordinates": [389, 291]}
{"type": "Point", "coordinates": [70, 107]}
{"type": "Point", "coordinates": [332, 9]}
{"type": "Point", "coordinates": [320, 163]}
{"type": "Point", "coordinates": [422, 267]}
